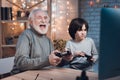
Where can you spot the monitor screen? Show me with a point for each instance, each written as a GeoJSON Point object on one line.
{"type": "Point", "coordinates": [109, 55]}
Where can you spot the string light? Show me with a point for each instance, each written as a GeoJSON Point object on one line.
{"type": "Point", "coordinates": [25, 4]}
{"type": "Point", "coordinates": [115, 6]}
{"type": "Point", "coordinates": [62, 13]}
{"type": "Point", "coordinates": [97, 1]}
{"type": "Point", "coordinates": [91, 3]}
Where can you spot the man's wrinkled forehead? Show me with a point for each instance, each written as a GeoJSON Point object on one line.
{"type": "Point", "coordinates": [42, 13]}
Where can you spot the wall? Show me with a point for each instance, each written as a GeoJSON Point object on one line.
{"type": "Point", "coordinates": [79, 8]}
{"type": "Point", "coordinates": [92, 15]}
{"type": "Point", "coordinates": [62, 13]}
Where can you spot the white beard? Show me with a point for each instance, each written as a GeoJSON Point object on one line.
{"type": "Point", "coordinates": [37, 28]}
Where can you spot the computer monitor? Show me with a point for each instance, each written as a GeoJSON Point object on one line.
{"type": "Point", "coordinates": [109, 53]}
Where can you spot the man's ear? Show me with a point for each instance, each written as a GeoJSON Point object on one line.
{"type": "Point", "coordinates": [30, 21]}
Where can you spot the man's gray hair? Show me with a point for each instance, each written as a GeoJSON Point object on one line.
{"type": "Point", "coordinates": [31, 15]}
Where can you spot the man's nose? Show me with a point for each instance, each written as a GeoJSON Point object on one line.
{"type": "Point", "coordinates": [43, 20]}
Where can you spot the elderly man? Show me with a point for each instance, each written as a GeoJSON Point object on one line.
{"type": "Point", "coordinates": [34, 49]}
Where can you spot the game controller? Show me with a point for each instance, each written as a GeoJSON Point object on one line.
{"type": "Point", "coordinates": [66, 53]}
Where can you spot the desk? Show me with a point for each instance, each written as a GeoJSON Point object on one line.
{"type": "Point", "coordinates": [51, 74]}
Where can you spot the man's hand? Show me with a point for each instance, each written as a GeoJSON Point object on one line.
{"type": "Point", "coordinates": [53, 59]}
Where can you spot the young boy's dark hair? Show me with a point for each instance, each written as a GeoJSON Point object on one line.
{"type": "Point", "coordinates": [76, 25]}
